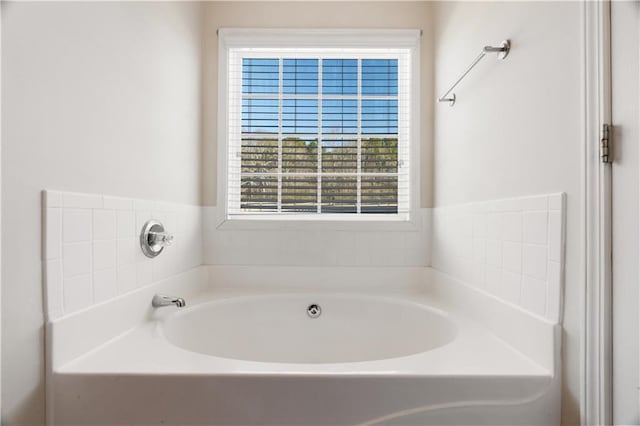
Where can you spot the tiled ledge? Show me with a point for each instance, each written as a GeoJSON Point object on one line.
{"type": "Point", "coordinates": [511, 248]}
{"type": "Point", "coordinates": [91, 250]}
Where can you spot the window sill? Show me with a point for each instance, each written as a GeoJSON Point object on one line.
{"type": "Point", "coordinates": [407, 222]}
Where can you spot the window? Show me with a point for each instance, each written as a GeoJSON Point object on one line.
{"type": "Point", "coordinates": [319, 131]}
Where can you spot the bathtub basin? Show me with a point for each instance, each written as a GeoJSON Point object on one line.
{"type": "Point", "coordinates": [279, 329]}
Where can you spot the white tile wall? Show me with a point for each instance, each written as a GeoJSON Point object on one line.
{"type": "Point", "coordinates": [513, 249]}
{"type": "Point", "coordinates": [315, 247]}
{"type": "Point", "coordinates": [91, 250]}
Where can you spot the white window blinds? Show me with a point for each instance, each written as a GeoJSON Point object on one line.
{"type": "Point", "coordinates": [316, 131]}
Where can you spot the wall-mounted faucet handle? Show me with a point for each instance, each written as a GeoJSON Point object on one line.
{"type": "Point", "coordinates": [154, 238]}
{"type": "Point", "coordinates": [160, 300]}
{"type": "Point", "coordinates": [161, 238]}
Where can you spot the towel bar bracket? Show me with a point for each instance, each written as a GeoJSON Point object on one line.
{"type": "Point", "coordinates": [502, 50]}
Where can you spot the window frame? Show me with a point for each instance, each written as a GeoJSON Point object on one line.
{"type": "Point", "coordinates": [229, 38]}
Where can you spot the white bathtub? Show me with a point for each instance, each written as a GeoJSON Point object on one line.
{"type": "Point", "coordinates": [278, 329]}
{"type": "Point", "coordinates": [239, 357]}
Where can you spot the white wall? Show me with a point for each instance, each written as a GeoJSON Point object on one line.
{"type": "Point", "coordinates": [97, 97]}
{"type": "Point", "coordinates": [316, 244]}
{"type": "Point", "coordinates": [625, 26]}
{"type": "Point", "coordinates": [516, 128]}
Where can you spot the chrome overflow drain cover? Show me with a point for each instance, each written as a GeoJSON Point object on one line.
{"type": "Point", "coordinates": [314, 311]}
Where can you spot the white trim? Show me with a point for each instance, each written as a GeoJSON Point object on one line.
{"type": "Point", "coordinates": [343, 41]}
{"type": "Point", "coordinates": [223, 117]}
{"type": "Point", "coordinates": [1, 227]}
{"type": "Point", "coordinates": [359, 133]}
{"type": "Point", "coordinates": [280, 113]}
{"type": "Point", "coordinates": [400, 217]}
{"type": "Point", "coordinates": [323, 223]}
{"type": "Point", "coordinates": [596, 398]}
{"type": "Point", "coordinates": [296, 38]}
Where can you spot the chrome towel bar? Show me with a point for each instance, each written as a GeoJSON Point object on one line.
{"type": "Point", "coordinates": [502, 51]}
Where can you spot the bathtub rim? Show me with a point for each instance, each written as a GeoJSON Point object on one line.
{"type": "Point", "coordinates": [129, 355]}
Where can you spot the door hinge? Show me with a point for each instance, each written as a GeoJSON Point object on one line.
{"type": "Point", "coordinates": [605, 144]}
